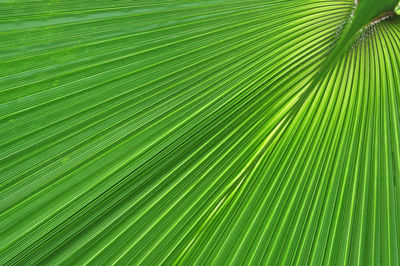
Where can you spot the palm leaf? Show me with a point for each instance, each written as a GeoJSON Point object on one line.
{"type": "Point", "coordinates": [200, 132]}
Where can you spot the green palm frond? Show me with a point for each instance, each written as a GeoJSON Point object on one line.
{"type": "Point", "coordinates": [200, 132]}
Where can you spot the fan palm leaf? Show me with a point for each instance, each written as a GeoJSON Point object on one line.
{"type": "Point", "coordinates": [200, 132]}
